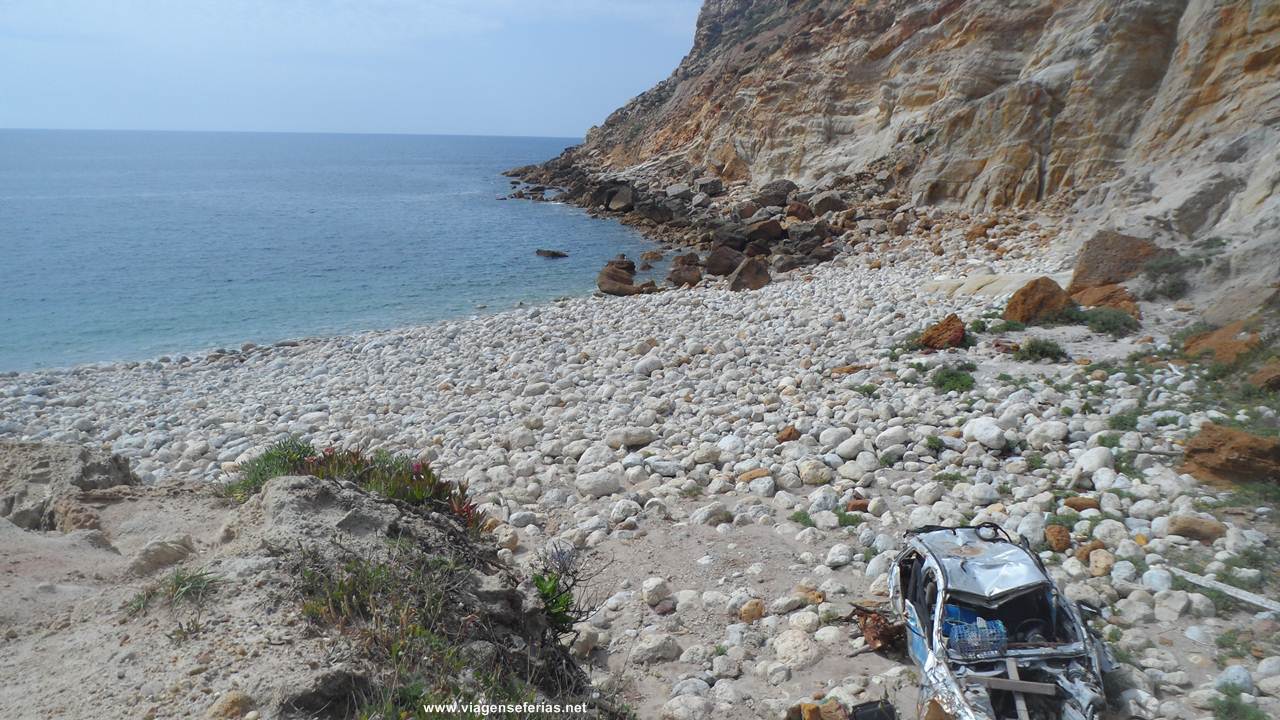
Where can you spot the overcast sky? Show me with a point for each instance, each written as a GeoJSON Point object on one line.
{"type": "Point", "coordinates": [500, 67]}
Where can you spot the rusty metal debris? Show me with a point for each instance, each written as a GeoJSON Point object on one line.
{"type": "Point", "coordinates": [993, 637]}
{"type": "Point", "coordinates": [832, 709]}
{"type": "Point", "coordinates": [879, 629]}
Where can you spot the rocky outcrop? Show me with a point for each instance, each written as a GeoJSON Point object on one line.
{"type": "Point", "coordinates": [41, 483]}
{"type": "Point", "coordinates": [1151, 119]}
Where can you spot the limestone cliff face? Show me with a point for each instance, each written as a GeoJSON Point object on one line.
{"type": "Point", "coordinates": [1166, 112]}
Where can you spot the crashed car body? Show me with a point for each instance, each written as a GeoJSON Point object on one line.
{"type": "Point", "coordinates": [993, 637]}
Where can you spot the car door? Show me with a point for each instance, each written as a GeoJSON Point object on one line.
{"type": "Point", "coordinates": [920, 611]}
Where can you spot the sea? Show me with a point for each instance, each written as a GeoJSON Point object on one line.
{"type": "Point", "coordinates": [119, 245]}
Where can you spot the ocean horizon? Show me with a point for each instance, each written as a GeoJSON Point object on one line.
{"type": "Point", "coordinates": [122, 245]}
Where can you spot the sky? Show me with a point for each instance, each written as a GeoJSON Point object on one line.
{"type": "Point", "coordinates": [476, 67]}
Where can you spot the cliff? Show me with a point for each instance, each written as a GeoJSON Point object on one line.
{"type": "Point", "coordinates": [1158, 118]}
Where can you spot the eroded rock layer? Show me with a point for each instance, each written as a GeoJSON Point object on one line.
{"type": "Point", "coordinates": [1157, 118]}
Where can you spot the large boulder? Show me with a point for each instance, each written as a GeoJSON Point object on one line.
{"type": "Point", "coordinates": [658, 212]}
{"type": "Point", "coordinates": [621, 199]}
{"type": "Point", "coordinates": [618, 278]}
{"type": "Point", "coordinates": [710, 186]}
{"type": "Point", "coordinates": [775, 193]}
{"type": "Point", "coordinates": [764, 231]}
{"type": "Point", "coordinates": [1039, 299]}
{"type": "Point", "coordinates": [1114, 296]}
{"type": "Point", "coordinates": [680, 191]}
{"type": "Point", "coordinates": [947, 333]}
{"type": "Point", "coordinates": [826, 202]}
{"type": "Point", "coordinates": [1227, 455]}
{"type": "Point", "coordinates": [799, 210]}
{"type": "Point", "coordinates": [723, 260]}
{"type": "Point", "coordinates": [685, 271]}
{"type": "Point", "coordinates": [1110, 257]}
{"type": "Point", "coordinates": [752, 274]}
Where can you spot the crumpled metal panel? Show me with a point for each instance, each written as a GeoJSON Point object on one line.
{"type": "Point", "coordinates": [938, 687]}
{"type": "Point", "coordinates": [975, 566]}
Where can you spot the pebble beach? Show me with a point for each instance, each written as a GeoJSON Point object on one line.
{"type": "Point", "coordinates": [707, 446]}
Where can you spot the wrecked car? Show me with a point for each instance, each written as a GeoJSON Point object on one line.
{"type": "Point", "coordinates": [993, 637]}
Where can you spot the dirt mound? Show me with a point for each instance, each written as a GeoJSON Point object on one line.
{"type": "Point", "coordinates": [314, 598]}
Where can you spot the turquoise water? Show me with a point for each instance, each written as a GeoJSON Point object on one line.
{"type": "Point", "coordinates": [128, 245]}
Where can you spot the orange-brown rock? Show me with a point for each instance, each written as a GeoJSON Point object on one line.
{"type": "Point", "coordinates": [947, 333]}
{"type": "Point", "coordinates": [799, 210]}
{"type": "Point", "coordinates": [1110, 296]}
{"type": "Point", "coordinates": [979, 230]}
{"type": "Point", "coordinates": [618, 278]}
{"type": "Point", "coordinates": [1108, 258]}
{"type": "Point", "coordinates": [1226, 344]}
{"type": "Point", "coordinates": [1084, 551]}
{"type": "Point", "coordinates": [751, 611]}
{"type": "Point", "coordinates": [1058, 537]}
{"type": "Point", "coordinates": [848, 369]}
{"type": "Point", "coordinates": [750, 475]}
{"type": "Point", "coordinates": [1267, 377]}
{"type": "Point", "coordinates": [1080, 503]}
{"type": "Point", "coordinates": [1197, 528]}
{"type": "Point", "coordinates": [788, 434]}
{"type": "Point", "coordinates": [1038, 299]}
{"type": "Point", "coordinates": [752, 274]}
{"type": "Point", "coordinates": [1227, 455]}
{"type": "Point", "coordinates": [857, 505]}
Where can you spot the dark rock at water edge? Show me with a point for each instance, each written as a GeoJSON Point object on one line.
{"type": "Point", "coordinates": [618, 278]}
{"type": "Point", "coordinates": [752, 274]}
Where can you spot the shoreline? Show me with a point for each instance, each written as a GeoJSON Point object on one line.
{"type": "Point", "coordinates": [170, 409]}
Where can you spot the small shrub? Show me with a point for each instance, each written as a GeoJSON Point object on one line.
{"type": "Point", "coordinates": [800, 517]}
{"type": "Point", "coordinates": [1110, 440]}
{"type": "Point", "coordinates": [847, 519]}
{"type": "Point", "coordinates": [190, 586]}
{"type": "Point", "coordinates": [948, 479]}
{"type": "Point", "coordinates": [867, 389]}
{"type": "Point", "coordinates": [1035, 349]}
{"type": "Point", "coordinates": [1035, 461]}
{"type": "Point", "coordinates": [389, 475]}
{"type": "Point", "coordinates": [978, 326]}
{"type": "Point", "coordinates": [1005, 326]}
{"type": "Point", "coordinates": [934, 443]}
{"type": "Point", "coordinates": [1231, 707]}
{"type": "Point", "coordinates": [950, 379]}
{"type": "Point", "coordinates": [279, 459]}
{"type": "Point", "coordinates": [1109, 321]}
{"type": "Point", "coordinates": [1124, 421]}
{"type": "Point", "coordinates": [1167, 275]}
